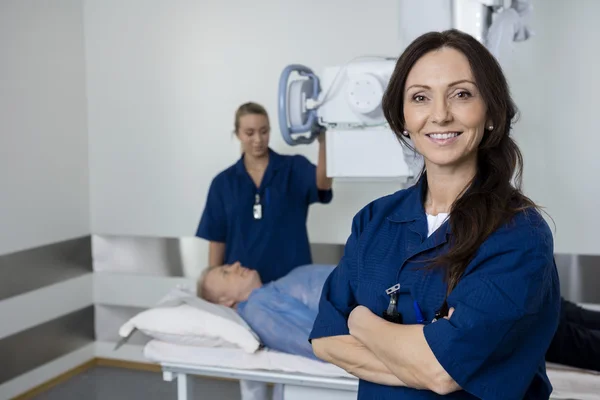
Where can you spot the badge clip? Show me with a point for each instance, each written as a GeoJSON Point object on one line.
{"type": "Point", "coordinates": [392, 314]}
{"type": "Point", "coordinates": [393, 289]}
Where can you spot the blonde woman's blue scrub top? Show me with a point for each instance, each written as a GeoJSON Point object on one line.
{"type": "Point", "coordinates": [506, 304]}
{"type": "Point", "coordinates": [278, 241]}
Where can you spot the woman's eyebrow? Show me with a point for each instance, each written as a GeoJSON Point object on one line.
{"type": "Point", "coordinates": [450, 85]}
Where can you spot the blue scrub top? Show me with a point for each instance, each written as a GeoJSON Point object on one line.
{"type": "Point", "coordinates": [506, 304]}
{"type": "Point", "coordinates": [278, 242]}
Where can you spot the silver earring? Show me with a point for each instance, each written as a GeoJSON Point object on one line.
{"type": "Point", "coordinates": [491, 128]}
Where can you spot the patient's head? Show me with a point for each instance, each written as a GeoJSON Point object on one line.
{"type": "Point", "coordinates": [228, 284]}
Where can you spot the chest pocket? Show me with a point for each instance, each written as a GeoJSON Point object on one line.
{"type": "Point", "coordinates": [272, 202]}
{"type": "Point", "coordinates": [374, 297]}
{"type": "Point", "coordinates": [428, 290]}
{"type": "Point", "coordinates": [279, 196]}
{"type": "Point", "coordinates": [418, 298]}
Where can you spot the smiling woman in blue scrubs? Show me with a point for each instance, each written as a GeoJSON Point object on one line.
{"type": "Point", "coordinates": [256, 210]}
{"type": "Point", "coordinates": [448, 287]}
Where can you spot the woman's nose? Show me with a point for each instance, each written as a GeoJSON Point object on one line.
{"type": "Point", "coordinates": [440, 112]}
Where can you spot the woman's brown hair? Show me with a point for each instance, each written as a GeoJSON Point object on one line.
{"type": "Point", "coordinates": [491, 199]}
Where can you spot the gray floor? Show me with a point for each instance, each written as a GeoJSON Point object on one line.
{"type": "Point", "coordinates": [102, 383]}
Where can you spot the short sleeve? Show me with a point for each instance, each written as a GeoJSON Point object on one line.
{"type": "Point", "coordinates": [338, 294]}
{"type": "Point", "coordinates": [306, 173]}
{"type": "Point", "coordinates": [506, 313]}
{"type": "Point", "coordinates": [213, 223]}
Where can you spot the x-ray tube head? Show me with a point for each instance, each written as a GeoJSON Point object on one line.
{"type": "Point", "coordinates": [346, 99]}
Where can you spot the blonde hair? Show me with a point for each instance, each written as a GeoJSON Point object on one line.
{"type": "Point", "coordinates": [248, 108]}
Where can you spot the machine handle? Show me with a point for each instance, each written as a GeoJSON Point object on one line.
{"type": "Point", "coordinates": [311, 123]}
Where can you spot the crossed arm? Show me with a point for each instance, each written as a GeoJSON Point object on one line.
{"type": "Point", "coordinates": [367, 354]}
{"type": "Point", "coordinates": [351, 355]}
{"type": "Point", "coordinates": [506, 314]}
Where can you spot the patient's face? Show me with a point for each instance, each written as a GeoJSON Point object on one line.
{"type": "Point", "coordinates": [231, 284]}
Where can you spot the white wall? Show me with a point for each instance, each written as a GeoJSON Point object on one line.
{"type": "Point", "coordinates": [556, 86]}
{"type": "Point", "coordinates": [164, 79]}
{"type": "Point", "coordinates": [44, 188]}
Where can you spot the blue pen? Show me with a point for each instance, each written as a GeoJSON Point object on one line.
{"type": "Point", "coordinates": [418, 313]}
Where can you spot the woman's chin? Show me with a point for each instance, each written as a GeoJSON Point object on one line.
{"type": "Point", "coordinates": [444, 159]}
{"type": "Point", "coordinates": [259, 153]}
{"type": "Point", "coordinates": [445, 163]}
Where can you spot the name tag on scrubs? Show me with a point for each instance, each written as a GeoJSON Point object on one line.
{"type": "Point", "coordinates": [257, 211]}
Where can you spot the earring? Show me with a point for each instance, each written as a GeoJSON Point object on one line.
{"type": "Point", "coordinates": [491, 128]}
{"type": "Point", "coordinates": [405, 133]}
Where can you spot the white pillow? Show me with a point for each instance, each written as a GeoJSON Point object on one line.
{"type": "Point", "coordinates": [191, 326]}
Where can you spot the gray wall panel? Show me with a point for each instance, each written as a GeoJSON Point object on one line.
{"type": "Point", "coordinates": [108, 320]}
{"type": "Point", "coordinates": [140, 255]}
{"type": "Point", "coordinates": [43, 343]}
{"type": "Point", "coordinates": [579, 274]}
{"type": "Point", "coordinates": [326, 253]}
{"type": "Point", "coordinates": [32, 269]}
{"type": "Point", "coordinates": [171, 256]}
{"type": "Point", "coordinates": [579, 277]}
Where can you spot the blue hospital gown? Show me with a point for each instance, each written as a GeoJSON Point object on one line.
{"type": "Point", "coordinates": [282, 312]}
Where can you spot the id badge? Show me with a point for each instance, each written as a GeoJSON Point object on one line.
{"type": "Point", "coordinates": [257, 210]}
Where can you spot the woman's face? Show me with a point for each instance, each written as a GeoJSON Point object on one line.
{"type": "Point", "coordinates": [444, 112]}
{"type": "Point", "coordinates": [253, 132]}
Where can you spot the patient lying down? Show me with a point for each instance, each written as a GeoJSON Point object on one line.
{"type": "Point", "coordinates": [281, 312]}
